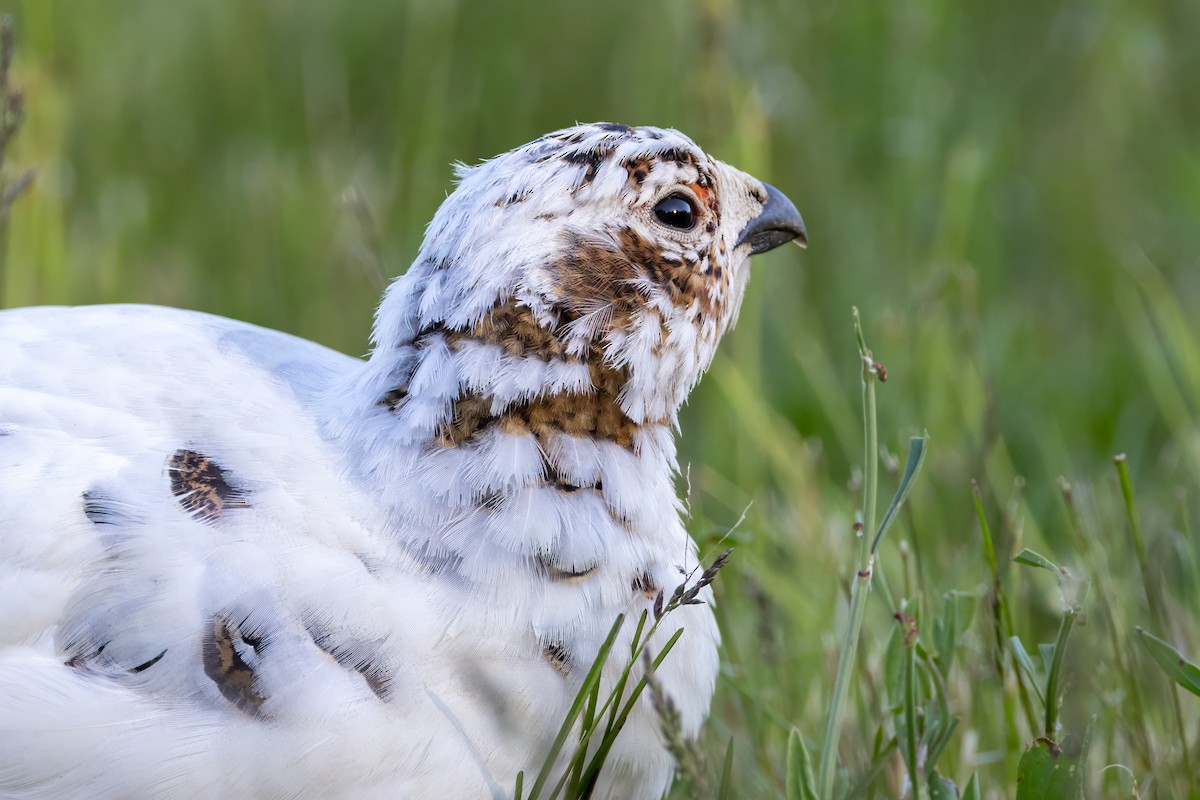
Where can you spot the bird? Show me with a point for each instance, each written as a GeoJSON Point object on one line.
{"type": "Point", "coordinates": [235, 563]}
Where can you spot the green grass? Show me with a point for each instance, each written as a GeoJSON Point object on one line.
{"type": "Point", "coordinates": [1009, 192]}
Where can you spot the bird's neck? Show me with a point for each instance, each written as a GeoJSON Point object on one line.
{"type": "Point", "coordinates": [507, 372]}
{"type": "Point", "coordinates": [465, 422]}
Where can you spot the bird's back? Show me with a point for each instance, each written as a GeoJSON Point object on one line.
{"type": "Point", "coordinates": [196, 594]}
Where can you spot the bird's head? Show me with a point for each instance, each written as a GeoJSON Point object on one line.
{"type": "Point", "coordinates": [600, 261]}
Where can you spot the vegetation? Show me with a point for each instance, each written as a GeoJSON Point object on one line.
{"type": "Point", "coordinates": [1009, 192]}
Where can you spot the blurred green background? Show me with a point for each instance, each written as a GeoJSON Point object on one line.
{"type": "Point", "coordinates": [1010, 193]}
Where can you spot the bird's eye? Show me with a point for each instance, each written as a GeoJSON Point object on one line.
{"type": "Point", "coordinates": [676, 212]}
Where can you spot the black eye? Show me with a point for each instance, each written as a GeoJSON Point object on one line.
{"type": "Point", "coordinates": [676, 212]}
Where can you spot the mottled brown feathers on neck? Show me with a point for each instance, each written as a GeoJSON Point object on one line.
{"type": "Point", "coordinates": [515, 328]}
{"type": "Point", "coordinates": [595, 412]}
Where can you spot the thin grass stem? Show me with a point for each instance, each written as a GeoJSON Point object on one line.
{"type": "Point", "coordinates": [1152, 596]}
{"type": "Point", "coordinates": [862, 580]}
{"type": "Point", "coordinates": [1054, 676]}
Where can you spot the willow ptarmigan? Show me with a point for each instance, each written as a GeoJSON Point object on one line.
{"type": "Point", "coordinates": [234, 563]}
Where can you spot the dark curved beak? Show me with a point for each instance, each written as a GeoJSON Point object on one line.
{"type": "Point", "coordinates": [777, 224]}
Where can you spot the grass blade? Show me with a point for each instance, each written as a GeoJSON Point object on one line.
{"type": "Point", "coordinates": [800, 784]}
{"type": "Point", "coordinates": [1053, 675]}
{"type": "Point", "coordinates": [1031, 559]}
{"type": "Point", "coordinates": [916, 457]}
{"type": "Point", "coordinates": [860, 587]}
{"type": "Point", "coordinates": [862, 580]}
{"type": "Point", "coordinates": [1025, 663]}
{"type": "Point", "coordinates": [592, 678]}
{"type": "Point", "coordinates": [725, 790]}
{"type": "Point", "coordinates": [1177, 666]}
{"type": "Point", "coordinates": [592, 773]}
{"type": "Point", "coordinates": [1152, 588]}
{"type": "Point", "coordinates": [971, 790]}
{"type": "Point", "coordinates": [911, 742]}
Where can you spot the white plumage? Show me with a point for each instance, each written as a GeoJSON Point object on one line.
{"type": "Point", "coordinates": [234, 563]}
